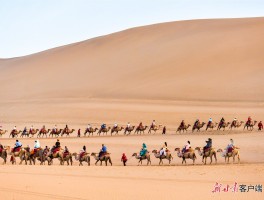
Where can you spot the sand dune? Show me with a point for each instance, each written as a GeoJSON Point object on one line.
{"type": "Point", "coordinates": [216, 60]}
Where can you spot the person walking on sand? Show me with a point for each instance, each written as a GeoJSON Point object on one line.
{"type": "Point", "coordinates": [124, 159]}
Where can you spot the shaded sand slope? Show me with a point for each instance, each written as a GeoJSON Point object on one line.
{"type": "Point", "coordinates": [219, 59]}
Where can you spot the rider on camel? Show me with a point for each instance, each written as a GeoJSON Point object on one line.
{"type": "Point", "coordinates": [115, 125]}
{"type": "Point", "coordinates": [24, 131]}
{"type": "Point", "coordinates": [186, 147]}
{"type": "Point", "coordinates": [140, 125]}
{"type": "Point", "coordinates": [103, 126]}
{"type": "Point", "coordinates": [143, 150]}
{"type": "Point", "coordinates": [210, 121]}
{"type": "Point", "coordinates": [37, 144]}
{"type": "Point", "coordinates": [17, 145]}
{"type": "Point", "coordinates": [196, 123]}
{"type": "Point", "coordinates": [260, 126]}
{"type": "Point", "coordinates": [222, 121]}
{"type": "Point", "coordinates": [31, 129]}
{"type": "Point", "coordinates": [55, 129]}
{"type": "Point", "coordinates": [43, 128]}
{"type": "Point", "coordinates": [163, 149]}
{"type": "Point", "coordinates": [230, 146]}
{"type": "Point", "coordinates": [182, 124]}
{"type": "Point", "coordinates": [82, 152]}
{"type": "Point", "coordinates": [208, 144]}
{"type": "Point", "coordinates": [249, 120]}
{"type": "Point", "coordinates": [89, 127]}
{"type": "Point", "coordinates": [102, 151]}
{"type": "Point", "coordinates": [66, 128]}
{"type": "Point", "coordinates": [234, 121]}
{"type": "Point", "coordinates": [153, 124]}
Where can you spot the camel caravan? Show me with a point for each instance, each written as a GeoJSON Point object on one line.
{"type": "Point", "coordinates": [47, 155]}
{"type": "Point", "coordinates": [128, 129]}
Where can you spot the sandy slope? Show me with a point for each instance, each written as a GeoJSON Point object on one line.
{"type": "Point", "coordinates": [187, 60]}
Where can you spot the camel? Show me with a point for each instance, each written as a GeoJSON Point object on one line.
{"type": "Point", "coordinates": [168, 156]}
{"type": "Point", "coordinates": [250, 125]}
{"type": "Point", "coordinates": [67, 132]}
{"type": "Point", "coordinates": [56, 133]}
{"type": "Point", "coordinates": [145, 157]}
{"type": "Point", "coordinates": [209, 153]}
{"type": "Point", "coordinates": [39, 154]}
{"type": "Point", "coordinates": [223, 125]}
{"type": "Point", "coordinates": [2, 132]}
{"type": "Point", "coordinates": [21, 154]}
{"type": "Point", "coordinates": [103, 130]}
{"type": "Point", "coordinates": [24, 133]}
{"type": "Point", "coordinates": [33, 132]}
{"type": "Point", "coordinates": [234, 153]}
{"type": "Point", "coordinates": [235, 125]}
{"type": "Point", "coordinates": [183, 128]}
{"type": "Point", "coordinates": [26, 156]}
{"type": "Point", "coordinates": [190, 154]}
{"type": "Point", "coordinates": [90, 131]}
{"type": "Point", "coordinates": [129, 130]}
{"type": "Point", "coordinates": [140, 129]}
{"type": "Point", "coordinates": [105, 158]}
{"type": "Point", "coordinates": [198, 126]}
{"type": "Point", "coordinates": [84, 158]}
{"type": "Point", "coordinates": [14, 133]}
{"type": "Point", "coordinates": [3, 153]}
{"type": "Point", "coordinates": [57, 154]}
{"type": "Point", "coordinates": [211, 126]}
{"type": "Point", "coordinates": [43, 132]}
{"type": "Point", "coordinates": [66, 157]}
{"type": "Point", "coordinates": [154, 128]}
{"type": "Point", "coordinates": [116, 130]}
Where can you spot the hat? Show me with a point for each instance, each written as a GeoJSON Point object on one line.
{"type": "Point", "coordinates": [189, 142]}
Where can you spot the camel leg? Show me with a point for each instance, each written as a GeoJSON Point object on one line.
{"type": "Point", "coordinates": [238, 158]}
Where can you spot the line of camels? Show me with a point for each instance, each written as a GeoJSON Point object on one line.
{"type": "Point", "coordinates": [46, 155]}
{"type": "Point", "coordinates": [43, 132]}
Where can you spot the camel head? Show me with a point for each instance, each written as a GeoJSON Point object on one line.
{"type": "Point", "coordinates": [219, 150]}
{"type": "Point", "coordinates": [134, 154]}
{"type": "Point", "coordinates": [74, 154]}
{"type": "Point", "coordinates": [154, 151]}
{"type": "Point", "coordinates": [95, 129]}
{"type": "Point", "coordinates": [93, 154]}
{"type": "Point", "coordinates": [241, 122]}
{"type": "Point", "coordinates": [198, 148]}
{"type": "Point", "coordinates": [177, 149]}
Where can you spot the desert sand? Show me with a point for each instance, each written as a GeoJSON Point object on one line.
{"type": "Point", "coordinates": [167, 72]}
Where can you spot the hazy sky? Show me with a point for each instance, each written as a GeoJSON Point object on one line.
{"type": "Point", "coordinates": [29, 26]}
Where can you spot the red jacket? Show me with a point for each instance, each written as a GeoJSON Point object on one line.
{"type": "Point", "coordinates": [124, 158]}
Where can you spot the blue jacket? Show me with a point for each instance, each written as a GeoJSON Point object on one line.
{"type": "Point", "coordinates": [18, 144]}
{"type": "Point", "coordinates": [104, 149]}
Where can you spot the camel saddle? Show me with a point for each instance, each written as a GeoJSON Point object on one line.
{"type": "Point", "coordinates": [16, 149]}
{"type": "Point", "coordinates": [82, 154]}
{"type": "Point", "coordinates": [229, 150]}
{"type": "Point", "coordinates": [33, 151]}
{"type": "Point", "coordinates": [1, 150]}
{"type": "Point", "coordinates": [56, 149]}
{"type": "Point", "coordinates": [103, 154]}
{"type": "Point", "coordinates": [207, 149]}
{"type": "Point", "coordinates": [65, 154]}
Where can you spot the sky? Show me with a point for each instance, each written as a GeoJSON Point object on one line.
{"type": "Point", "coordinates": [30, 26]}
